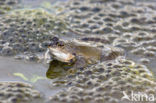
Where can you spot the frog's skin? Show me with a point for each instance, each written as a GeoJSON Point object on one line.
{"type": "Point", "coordinates": [74, 54]}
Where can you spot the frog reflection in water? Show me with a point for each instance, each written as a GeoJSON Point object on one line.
{"type": "Point", "coordinates": [67, 56]}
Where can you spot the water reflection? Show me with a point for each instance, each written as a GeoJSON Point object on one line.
{"type": "Point", "coordinates": [58, 69]}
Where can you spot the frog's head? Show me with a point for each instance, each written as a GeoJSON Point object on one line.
{"type": "Point", "coordinates": [61, 55]}
{"type": "Point", "coordinates": [56, 51]}
{"type": "Point", "coordinates": [60, 60]}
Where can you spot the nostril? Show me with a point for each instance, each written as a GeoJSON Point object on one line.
{"type": "Point", "coordinates": [71, 61]}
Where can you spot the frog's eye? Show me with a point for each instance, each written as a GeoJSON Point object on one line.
{"type": "Point", "coordinates": [53, 44]}
{"type": "Point", "coordinates": [85, 39]}
{"type": "Point", "coordinates": [74, 54]}
{"type": "Point", "coordinates": [55, 39]}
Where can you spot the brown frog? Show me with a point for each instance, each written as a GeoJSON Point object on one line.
{"type": "Point", "coordinates": [66, 56]}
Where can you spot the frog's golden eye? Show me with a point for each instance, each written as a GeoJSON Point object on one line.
{"type": "Point", "coordinates": [74, 54]}
{"type": "Point", "coordinates": [55, 39]}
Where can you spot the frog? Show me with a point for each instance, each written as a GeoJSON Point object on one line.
{"type": "Point", "coordinates": [67, 56]}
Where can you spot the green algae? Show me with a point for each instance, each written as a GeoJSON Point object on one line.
{"type": "Point", "coordinates": [21, 76]}
{"type": "Point", "coordinates": [34, 78]}
{"type": "Point", "coordinates": [53, 7]}
{"type": "Point", "coordinates": [47, 5]}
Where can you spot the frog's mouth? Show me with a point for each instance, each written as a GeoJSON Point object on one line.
{"type": "Point", "coordinates": [61, 55]}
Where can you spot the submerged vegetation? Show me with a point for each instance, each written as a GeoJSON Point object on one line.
{"type": "Point", "coordinates": [34, 79]}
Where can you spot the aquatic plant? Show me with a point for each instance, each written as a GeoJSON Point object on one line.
{"type": "Point", "coordinates": [34, 78]}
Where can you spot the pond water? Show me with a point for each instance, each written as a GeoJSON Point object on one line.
{"type": "Point", "coordinates": [35, 73]}
{"type": "Point", "coordinates": [15, 70]}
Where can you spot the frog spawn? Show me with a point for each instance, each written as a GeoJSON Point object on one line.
{"type": "Point", "coordinates": [17, 92]}
{"type": "Point", "coordinates": [126, 23]}
{"type": "Point", "coordinates": [7, 5]}
{"type": "Point", "coordinates": [25, 34]}
{"type": "Point", "coordinates": [104, 18]}
{"type": "Point", "coordinates": [75, 54]}
{"type": "Point", "coordinates": [105, 82]}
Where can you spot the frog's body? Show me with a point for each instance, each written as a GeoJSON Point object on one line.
{"type": "Point", "coordinates": [77, 54]}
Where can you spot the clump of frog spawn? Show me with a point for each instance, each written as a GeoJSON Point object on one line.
{"type": "Point", "coordinates": [26, 33]}
{"type": "Point", "coordinates": [74, 54]}
{"type": "Point", "coordinates": [17, 92]}
{"type": "Point", "coordinates": [105, 83]}
{"type": "Point", "coordinates": [124, 22]}
{"type": "Point", "coordinates": [7, 5]}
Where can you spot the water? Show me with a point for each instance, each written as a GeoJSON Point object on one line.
{"type": "Point", "coordinates": [10, 66]}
